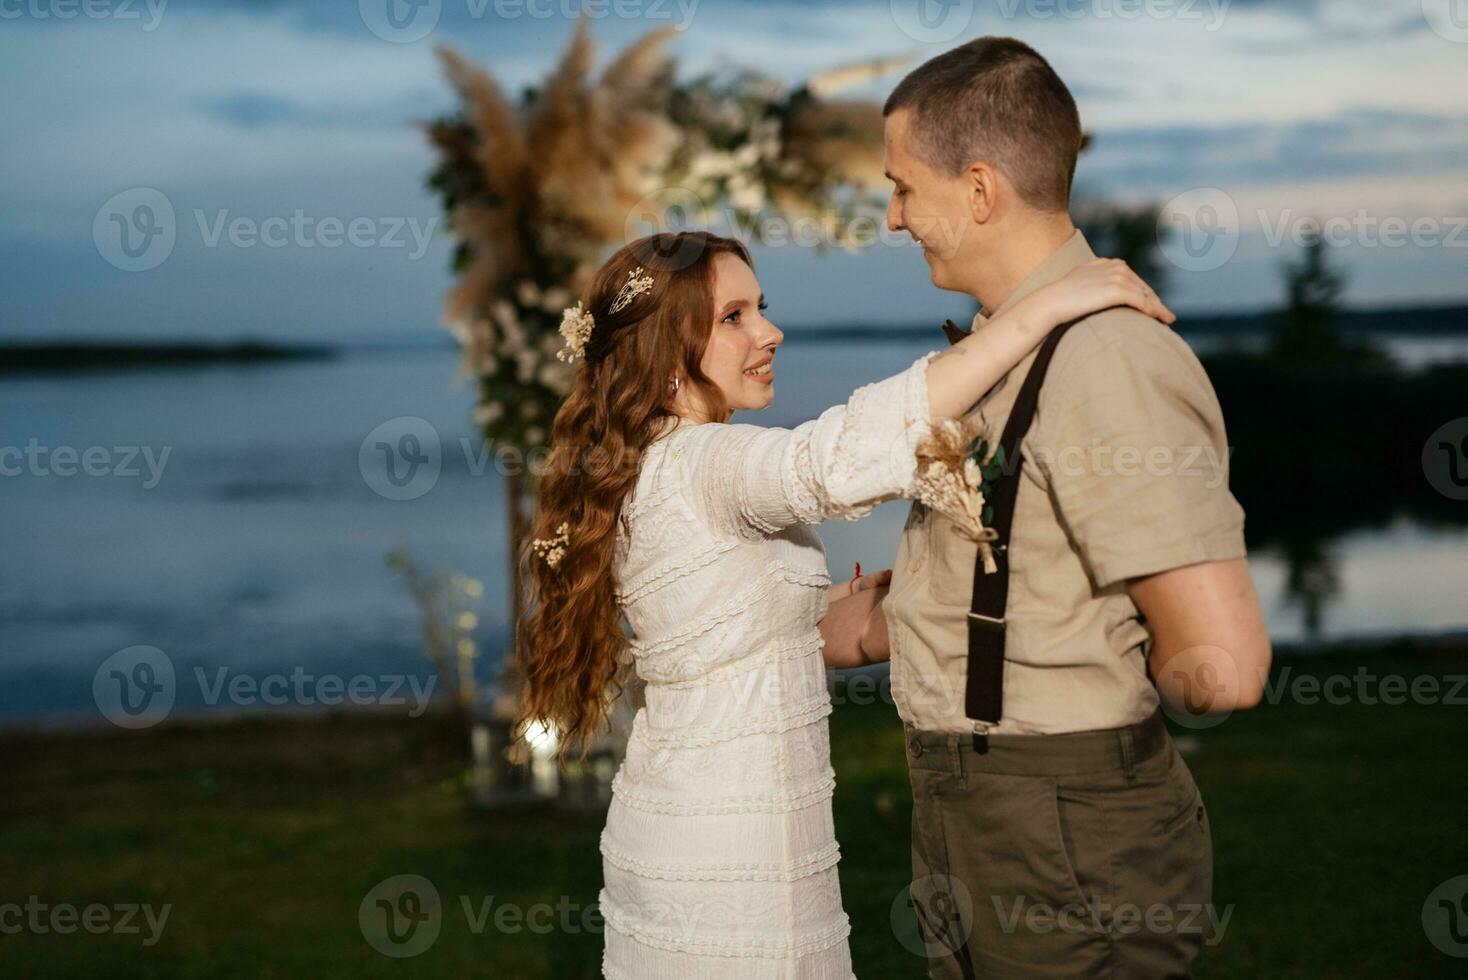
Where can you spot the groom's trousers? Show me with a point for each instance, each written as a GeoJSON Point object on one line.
{"type": "Point", "coordinates": [1079, 855]}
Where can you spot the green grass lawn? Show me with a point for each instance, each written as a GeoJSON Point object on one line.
{"type": "Point", "coordinates": [1332, 824]}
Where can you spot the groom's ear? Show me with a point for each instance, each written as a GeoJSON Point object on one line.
{"type": "Point", "coordinates": [982, 182]}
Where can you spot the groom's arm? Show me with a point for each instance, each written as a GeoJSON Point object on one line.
{"type": "Point", "coordinates": [1210, 650]}
{"type": "Point", "coordinates": [1132, 438]}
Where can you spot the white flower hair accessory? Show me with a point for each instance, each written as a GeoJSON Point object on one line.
{"type": "Point", "coordinates": [577, 321]}
{"type": "Point", "coordinates": [553, 549]}
{"type": "Point", "coordinates": [576, 327]}
{"type": "Point", "coordinates": [635, 286]}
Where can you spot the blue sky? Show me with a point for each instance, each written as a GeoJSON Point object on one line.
{"type": "Point", "coordinates": [266, 114]}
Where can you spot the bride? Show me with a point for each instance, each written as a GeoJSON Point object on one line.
{"type": "Point", "coordinates": [719, 854]}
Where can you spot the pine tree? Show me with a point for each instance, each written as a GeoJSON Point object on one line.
{"type": "Point", "coordinates": [1308, 333]}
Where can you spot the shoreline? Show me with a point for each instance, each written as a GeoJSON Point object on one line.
{"type": "Point", "coordinates": [77, 357]}
{"type": "Point", "coordinates": [1359, 651]}
{"type": "Point", "coordinates": [65, 356]}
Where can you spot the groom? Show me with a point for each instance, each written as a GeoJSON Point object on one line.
{"type": "Point", "coordinates": [1056, 831]}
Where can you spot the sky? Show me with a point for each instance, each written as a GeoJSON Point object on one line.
{"type": "Point", "coordinates": [242, 140]}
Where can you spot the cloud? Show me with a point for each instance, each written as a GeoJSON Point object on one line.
{"type": "Point", "coordinates": [1357, 142]}
{"type": "Point", "coordinates": [260, 109]}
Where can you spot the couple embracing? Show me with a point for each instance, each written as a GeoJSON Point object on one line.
{"type": "Point", "coordinates": [1027, 649]}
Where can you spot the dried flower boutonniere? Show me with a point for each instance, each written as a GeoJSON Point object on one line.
{"type": "Point", "coordinates": [955, 475]}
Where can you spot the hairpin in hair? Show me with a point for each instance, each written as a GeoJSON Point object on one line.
{"type": "Point", "coordinates": [553, 549]}
{"type": "Point", "coordinates": [635, 286]}
{"type": "Point", "coordinates": [576, 327]}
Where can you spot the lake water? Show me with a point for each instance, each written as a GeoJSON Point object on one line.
{"type": "Point", "coordinates": [262, 547]}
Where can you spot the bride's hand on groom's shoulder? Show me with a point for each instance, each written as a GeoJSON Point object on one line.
{"type": "Point", "coordinates": [1098, 285]}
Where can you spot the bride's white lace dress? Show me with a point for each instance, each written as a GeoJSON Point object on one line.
{"type": "Point", "coordinates": [719, 853]}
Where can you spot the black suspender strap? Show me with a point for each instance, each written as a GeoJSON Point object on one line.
{"type": "Point", "coordinates": [984, 694]}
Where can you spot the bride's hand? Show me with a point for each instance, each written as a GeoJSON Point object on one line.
{"type": "Point", "coordinates": [1095, 286]}
{"type": "Point", "coordinates": [875, 580]}
{"type": "Point", "coordinates": [854, 628]}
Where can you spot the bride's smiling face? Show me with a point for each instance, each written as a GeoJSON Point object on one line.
{"type": "Point", "coordinates": [740, 354]}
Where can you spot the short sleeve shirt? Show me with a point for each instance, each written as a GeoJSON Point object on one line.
{"type": "Point", "coordinates": [1125, 475]}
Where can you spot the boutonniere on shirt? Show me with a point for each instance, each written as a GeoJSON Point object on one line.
{"type": "Point", "coordinates": [955, 475]}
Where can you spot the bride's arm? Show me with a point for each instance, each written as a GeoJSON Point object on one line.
{"type": "Point", "coordinates": [959, 376]}
{"type": "Point", "coordinates": [753, 481]}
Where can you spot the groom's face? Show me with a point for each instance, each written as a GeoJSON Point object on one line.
{"type": "Point", "coordinates": [931, 206]}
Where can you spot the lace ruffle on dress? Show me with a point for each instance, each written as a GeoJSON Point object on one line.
{"type": "Point", "coordinates": [719, 854]}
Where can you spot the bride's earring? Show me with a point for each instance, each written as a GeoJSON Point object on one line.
{"type": "Point", "coordinates": [676, 382]}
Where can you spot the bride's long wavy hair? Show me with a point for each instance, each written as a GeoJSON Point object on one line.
{"type": "Point", "coordinates": [571, 636]}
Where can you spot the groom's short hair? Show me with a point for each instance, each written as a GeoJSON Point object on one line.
{"type": "Point", "coordinates": [995, 99]}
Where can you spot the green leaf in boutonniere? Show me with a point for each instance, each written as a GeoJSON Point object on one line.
{"type": "Point", "coordinates": [991, 467]}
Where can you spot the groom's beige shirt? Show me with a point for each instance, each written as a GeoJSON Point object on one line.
{"type": "Point", "coordinates": [1125, 474]}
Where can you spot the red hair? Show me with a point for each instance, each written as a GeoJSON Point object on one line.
{"type": "Point", "coordinates": [571, 636]}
